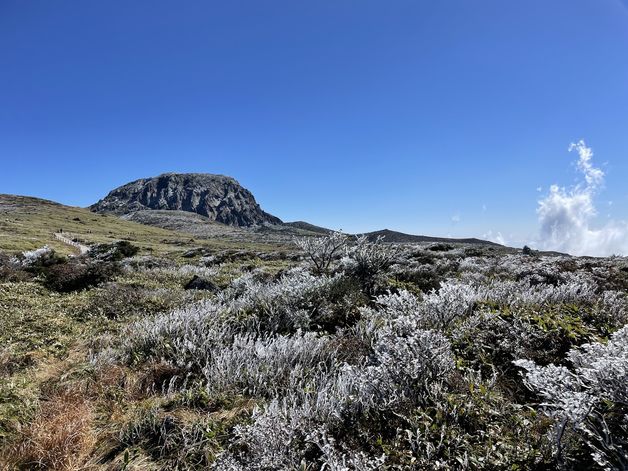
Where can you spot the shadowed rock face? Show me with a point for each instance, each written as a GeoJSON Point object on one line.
{"type": "Point", "coordinates": [217, 197]}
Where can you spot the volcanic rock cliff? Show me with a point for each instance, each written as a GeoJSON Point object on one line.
{"type": "Point", "coordinates": [217, 197]}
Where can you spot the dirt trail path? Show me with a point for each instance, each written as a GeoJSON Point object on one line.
{"type": "Point", "coordinates": [83, 249]}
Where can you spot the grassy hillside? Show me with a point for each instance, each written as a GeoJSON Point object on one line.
{"type": "Point", "coordinates": [27, 223]}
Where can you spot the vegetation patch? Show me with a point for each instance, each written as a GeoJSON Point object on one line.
{"type": "Point", "coordinates": [357, 354]}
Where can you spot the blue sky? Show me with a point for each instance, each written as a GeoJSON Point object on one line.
{"type": "Point", "coordinates": [432, 117]}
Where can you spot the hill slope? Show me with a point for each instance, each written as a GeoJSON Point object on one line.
{"type": "Point", "coordinates": [27, 223]}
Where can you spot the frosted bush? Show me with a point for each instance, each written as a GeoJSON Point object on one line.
{"type": "Point", "coordinates": [208, 260]}
{"type": "Point", "coordinates": [612, 308]}
{"type": "Point", "coordinates": [475, 265]}
{"type": "Point", "coordinates": [393, 306]}
{"type": "Point", "coordinates": [436, 310]}
{"type": "Point", "coordinates": [328, 364]}
{"type": "Point", "coordinates": [183, 337]}
{"type": "Point", "coordinates": [487, 339]}
{"type": "Point", "coordinates": [452, 301]}
{"type": "Point", "coordinates": [274, 440]}
{"type": "Point", "coordinates": [395, 377]}
{"type": "Point", "coordinates": [320, 252]}
{"type": "Point", "coordinates": [202, 271]}
{"type": "Point", "coordinates": [401, 370]}
{"type": "Point", "coordinates": [186, 336]}
{"type": "Point", "coordinates": [337, 459]}
{"type": "Point", "coordinates": [31, 258]}
{"type": "Point", "coordinates": [290, 303]}
{"type": "Point", "coordinates": [368, 261]}
{"type": "Point", "coordinates": [266, 366]}
{"type": "Point", "coordinates": [576, 289]}
{"type": "Point", "coordinates": [281, 436]}
{"type": "Point", "coordinates": [591, 397]}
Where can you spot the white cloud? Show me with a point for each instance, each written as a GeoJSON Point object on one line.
{"type": "Point", "coordinates": [593, 176]}
{"type": "Point", "coordinates": [496, 237]}
{"type": "Point", "coordinates": [455, 218]}
{"type": "Point", "coordinates": [566, 215]}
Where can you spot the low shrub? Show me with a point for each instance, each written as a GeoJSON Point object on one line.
{"type": "Point", "coordinates": [36, 261]}
{"type": "Point", "coordinates": [77, 275]}
{"type": "Point", "coordinates": [321, 252]}
{"type": "Point", "coordinates": [368, 262]}
{"type": "Point", "coordinates": [11, 270]}
{"type": "Point", "coordinates": [117, 301]}
{"type": "Point", "coordinates": [113, 252]}
{"type": "Point", "coordinates": [589, 398]}
{"type": "Point", "coordinates": [199, 283]}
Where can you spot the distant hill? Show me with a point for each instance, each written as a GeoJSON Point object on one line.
{"type": "Point", "coordinates": [400, 237]}
{"type": "Point", "coordinates": [217, 197]}
{"type": "Point", "coordinates": [306, 226]}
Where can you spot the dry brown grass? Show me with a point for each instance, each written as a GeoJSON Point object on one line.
{"type": "Point", "coordinates": [60, 436]}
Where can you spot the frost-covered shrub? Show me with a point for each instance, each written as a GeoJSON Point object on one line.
{"type": "Point", "coordinates": [452, 301]}
{"type": "Point", "coordinates": [577, 288]}
{"type": "Point", "coordinates": [591, 397]}
{"type": "Point", "coordinates": [38, 259]}
{"type": "Point", "coordinates": [274, 440]}
{"type": "Point", "coordinates": [115, 251]}
{"type": "Point", "coordinates": [399, 371]}
{"type": "Point", "coordinates": [266, 367]}
{"type": "Point", "coordinates": [488, 342]}
{"type": "Point", "coordinates": [296, 300]}
{"type": "Point", "coordinates": [11, 269]}
{"type": "Point", "coordinates": [177, 444]}
{"type": "Point", "coordinates": [436, 310]}
{"type": "Point", "coordinates": [169, 272]}
{"type": "Point", "coordinates": [115, 301]}
{"type": "Point", "coordinates": [369, 261]}
{"type": "Point", "coordinates": [392, 379]}
{"type": "Point", "coordinates": [283, 436]}
{"type": "Point", "coordinates": [320, 252]}
{"type": "Point", "coordinates": [335, 458]}
{"type": "Point", "coordinates": [283, 433]}
{"type": "Point", "coordinates": [183, 337]}
{"type": "Point", "coordinates": [402, 306]}
{"type": "Point", "coordinates": [421, 277]}
{"type": "Point", "coordinates": [33, 257]}
{"type": "Point", "coordinates": [611, 308]}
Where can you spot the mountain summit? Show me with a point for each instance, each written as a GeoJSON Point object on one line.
{"type": "Point", "coordinates": [217, 197]}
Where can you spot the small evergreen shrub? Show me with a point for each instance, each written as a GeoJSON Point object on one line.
{"type": "Point", "coordinates": [77, 275]}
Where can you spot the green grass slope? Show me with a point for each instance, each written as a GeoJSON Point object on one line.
{"type": "Point", "coordinates": [27, 223]}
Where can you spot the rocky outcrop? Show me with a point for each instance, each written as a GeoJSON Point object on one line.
{"type": "Point", "coordinates": [217, 197]}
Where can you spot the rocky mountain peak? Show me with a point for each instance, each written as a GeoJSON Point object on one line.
{"type": "Point", "coordinates": [218, 197]}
